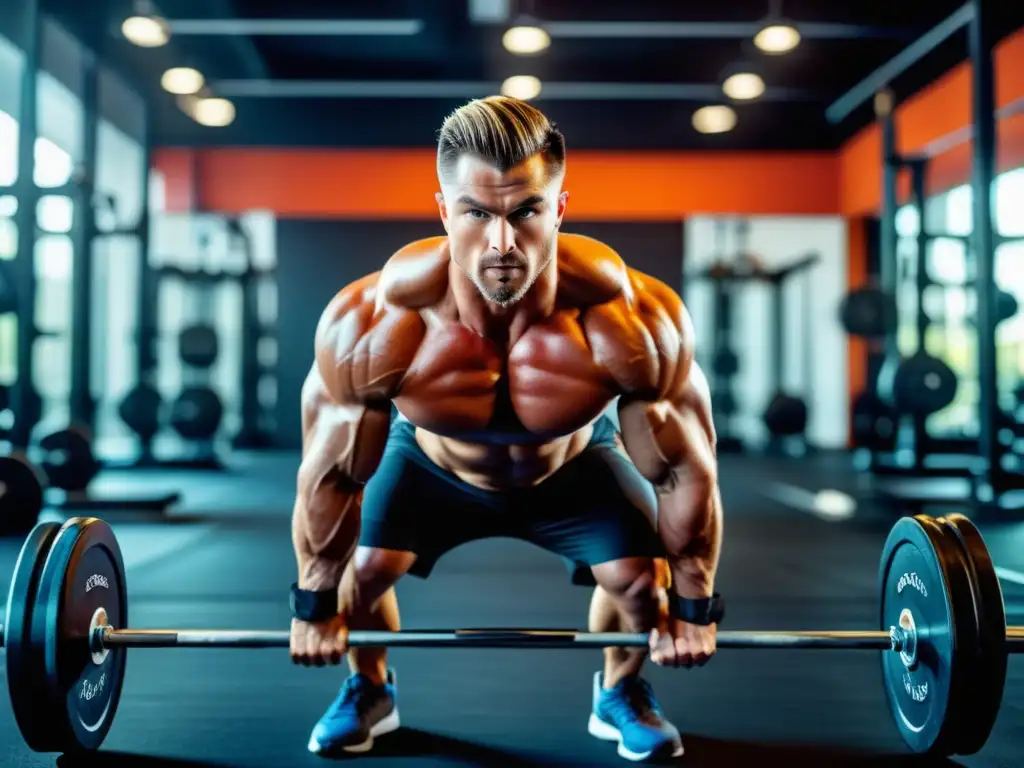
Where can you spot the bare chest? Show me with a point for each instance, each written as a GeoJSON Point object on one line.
{"type": "Point", "coordinates": [546, 385]}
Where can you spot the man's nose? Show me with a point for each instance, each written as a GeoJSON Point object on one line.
{"type": "Point", "coordinates": [502, 236]}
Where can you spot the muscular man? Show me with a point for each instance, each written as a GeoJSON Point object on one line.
{"type": "Point", "coordinates": [501, 346]}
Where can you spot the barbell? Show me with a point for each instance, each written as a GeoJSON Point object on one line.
{"type": "Point", "coordinates": [942, 633]}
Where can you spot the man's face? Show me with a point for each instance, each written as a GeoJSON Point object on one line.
{"type": "Point", "coordinates": [501, 227]}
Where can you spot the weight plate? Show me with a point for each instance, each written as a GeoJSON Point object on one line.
{"type": "Point", "coordinates": [986, 677]}
{"type": "Point", "coordinates": [198, 346]}
{"type": "Point", "coordinates": [8, 294]}
{"type": "Point", "coordinates": [786, 415]}
{"type": "Point", "coordinates": [868, 313]}
{"type": "Point", "coordinates": [5, 398]}
{"type": "Point", "coordinates": [725, 363]}
{"type": "Point", "coordinates": [914, 580]}
{"type": "Point", "coordinates": [68, 460]}
{"type": "Point", "coordinates": [922, 385]}
{"type": "Point", "coordinates": [140, 411]}
{"type": "Point", "coordinates": [874, 423]}
{"type": "Point", "coordinates": [83, 575]}
{"type": "Point", "coordinates": [21, 496]}
{"type": "Point", "coordinates": [21, 686]}
{"type": "Point", "coordinates": [197, 413]}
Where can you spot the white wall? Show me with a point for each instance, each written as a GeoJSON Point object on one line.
{"type": "Point", "coordinates": [812, 330]}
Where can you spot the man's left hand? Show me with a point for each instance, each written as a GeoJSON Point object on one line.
{"type": "Point", "coordinates": [678, 644]}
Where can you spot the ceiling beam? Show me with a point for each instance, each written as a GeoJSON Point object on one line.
{"type": "Point", "coordinates": [489, 11]}
{"type": "Point", "coordinates": [709, 30]}
{"type": "Point", "coordinates": [455, 89]}
{"type": "Point", "coordinates": [882, 77]}
{"type": "Point", "coordinates": [297, 27]}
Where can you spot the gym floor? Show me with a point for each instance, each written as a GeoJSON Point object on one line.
{"type": "Point", "coordinates": [225, 560]}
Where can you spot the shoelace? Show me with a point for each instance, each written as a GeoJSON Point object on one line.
{"type": "Point", "coordinates": [351, 690]}
{"type": "Point", "coordinates": [636, 700]}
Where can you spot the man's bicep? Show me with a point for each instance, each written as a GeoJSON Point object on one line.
{"type": "Point", "coordinates": [673, 435]}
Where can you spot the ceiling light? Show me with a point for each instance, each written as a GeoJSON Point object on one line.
{"type": "Point", "coordinates": [523, 87]}
{"type": "Point", "coordinates": [146, 31]}
{"type": "Point", "coordinates": [777, 38]}
{"type": "Point", "coordinates": [525, 40]}
{"type": "Point", "coordinates": [215, 113]}
{"type": "Point", "coordinates": [743, 86]}
{"type": "Point", "coordinates": [182, 81]}
{"type": "Point", "coordinates": [716, 119]}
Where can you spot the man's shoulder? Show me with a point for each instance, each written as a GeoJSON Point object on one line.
{"type": "Point", "coordinates": [414, 273]}
{"type": "Point", "coordinates": [630, 310]}
{"type": "Point", "coordinates": [590, 272]}
{"type": "Point", "coordinates": [594, 270]}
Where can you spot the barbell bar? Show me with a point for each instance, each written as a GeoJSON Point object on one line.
{"type": "Point", "coordinates": [943, 635]}
{"type": "Point", "coordinates": [108, 637]}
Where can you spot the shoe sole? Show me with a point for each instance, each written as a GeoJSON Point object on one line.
{"type": "Point", "coordinates": [599, 729]}
{"type": "Point", "coordinates": [390, 723]}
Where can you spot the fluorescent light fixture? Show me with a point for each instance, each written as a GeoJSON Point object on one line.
{"type": "Point", "coordinates": [523, 87]}
{"type": "Point", "coordinates": [714, 119]}
{"type": "Point", "coordinates": [743, 86]}
{"type": "Point", "coordinates": [182, 81]}
{"type": "Point", "coordinates": [525, 40]}
{"type": "Point", "coordinates": [213, 112]}
{"type": "Point", "coordinates": [777, 38]}
{"type": "Point", "coordinates": [146, 31]}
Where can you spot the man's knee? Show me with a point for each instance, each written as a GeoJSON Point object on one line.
{"type": "Point", "coordinates": [372, 572]}
{"type": "Point", "coordinates": [630, 579]}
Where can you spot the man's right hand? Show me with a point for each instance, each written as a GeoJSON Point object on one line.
{"type": "Point", "coordinates": [319, 643]}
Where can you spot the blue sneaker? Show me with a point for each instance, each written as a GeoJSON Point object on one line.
{"type": "Point", "coordinates": [630, 715]}
{"type": "Point", "coordinates": [361, 712]}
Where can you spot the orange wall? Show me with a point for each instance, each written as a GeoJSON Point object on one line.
{"type": "Point", "coordinates": [369, 184]}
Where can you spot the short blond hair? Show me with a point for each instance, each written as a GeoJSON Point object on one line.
{"type": "Point", "coordinates": [502, 131]}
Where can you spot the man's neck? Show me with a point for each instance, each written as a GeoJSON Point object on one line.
{"type": "Point", "coordinates": [504, 324]}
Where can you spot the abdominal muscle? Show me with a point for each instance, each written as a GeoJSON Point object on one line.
{"type": "Point", "coordinates": [504, 465]}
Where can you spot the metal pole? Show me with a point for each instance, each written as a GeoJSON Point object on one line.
{"type": "Point", "coordinates": [83, 234]}
{"type": "Point", "coordinates": [980, 34]}
{"type": "Point", "coordinates": [917, 178]}
{"type": "Point", "coordinates": [888, 272]}
{"type": "Point", "coordinates": [891, 640]}
{"type": "Point", "coordinates": [24, 400]}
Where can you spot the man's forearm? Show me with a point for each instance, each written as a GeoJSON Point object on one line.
{"type": "Point", "coordinates": [690, 525]}
{"type": "Point", "coordinates": [325, 538]}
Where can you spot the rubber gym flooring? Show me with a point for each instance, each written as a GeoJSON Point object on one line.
{"type": "Point", "coordinates": [224, 559]}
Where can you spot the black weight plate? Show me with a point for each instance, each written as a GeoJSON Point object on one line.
{"type": "Point", "coordinates": [21, 496]}
{"type": "Point", "coordinates": [786, 415]}
{"type": "Point", "coordinates": [8, 294]}
{"type": "Point", "coordinates": [5, 398]}
{"type": "Point", "coordinates": [725, 363]}
{"type": "Point", "coordinates": [198, 346]}
{"type": "Point", "coordinates": [868, 313]}
{"type": "Point", "coordinates": [140, 410]}
{"type": "Point", "coordinates": [874, 423]}
{"type": "Point", "coordinates": [22, 687]}
{"type": "Point", "coordinates": [914, 575]}
{"type": "Point", "coordinates": [923, 385]}
{"type": "Point", "coordinates": [986, 678]}
{"type": "Point", "coordinates": [723, 403]}
{"type": "Point", "coordinates": [197, 413]}
{"type": "Point", "coordinates": [1006, 306]}
{"type": "Point", "coordinates": [68, 460]}
{"type": "Point", "coordinates": [84, 573]}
